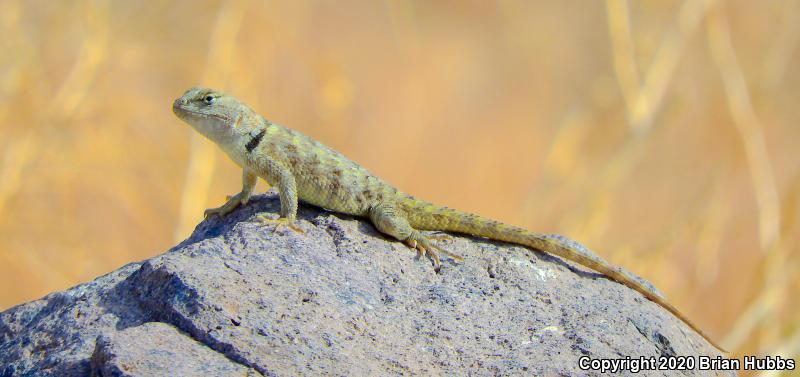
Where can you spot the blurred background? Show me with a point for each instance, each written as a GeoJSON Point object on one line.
{"type": "Point", "coordinates": [661, 134]}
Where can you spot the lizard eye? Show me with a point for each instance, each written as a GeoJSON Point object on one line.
{"type": "Point", "coordinates": [209, 99]}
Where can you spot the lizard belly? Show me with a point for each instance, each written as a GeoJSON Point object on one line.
{"type": "Point", "coordinates": [332, 195]}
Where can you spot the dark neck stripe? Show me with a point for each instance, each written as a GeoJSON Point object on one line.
{"type": "Point", "coordinates": [253, 143]}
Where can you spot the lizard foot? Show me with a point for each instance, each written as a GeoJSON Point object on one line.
{"type": "Point", "coordinates": [424, 247]}
{"type": "Point", "coordinates": [219, 211]}
{"type": "Point", "coordinates": [230, 204]}
{"type": "Point", "coordinates": [280, 223]}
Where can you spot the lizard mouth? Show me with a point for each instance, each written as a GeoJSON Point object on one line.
{"type": "Point", "coordinates": [180, 109]}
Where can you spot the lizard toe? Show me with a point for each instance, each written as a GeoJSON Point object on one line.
{"type": "Point", "coordinates": [213, 212]}
{"type": "Point", "coordinates": [424, 248]}
{"type": "Point", "coordinates": [279, 223]}
{"type": "Point", "coordinates": [440, 237]}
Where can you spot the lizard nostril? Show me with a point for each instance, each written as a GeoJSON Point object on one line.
{"type": "Point", "coordinates": [178, 105]}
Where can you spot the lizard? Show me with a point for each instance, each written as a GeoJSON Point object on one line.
{"type": "Point", "coordinates": [302, 168]}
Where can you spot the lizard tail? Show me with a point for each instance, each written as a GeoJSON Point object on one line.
{"type": "Point", "coordinates": [427, 216]}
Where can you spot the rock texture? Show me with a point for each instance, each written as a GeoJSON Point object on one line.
{"type": "Point", "coordinates": [242, 298]}
{"type": "Point", "coordinates": [156, 347]}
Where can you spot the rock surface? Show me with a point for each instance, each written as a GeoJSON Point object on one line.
{"type": "Point", "coordinates": [242, 298]}
{"type": "Point", "coordinates": [155, 347]}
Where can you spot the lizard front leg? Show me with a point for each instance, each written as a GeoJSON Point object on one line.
{"type": "Point", "coordinates": [283, 179]}
{"type": "Point", "coordinates": [387, 219]}
{"type": "Point", "coordinates": [248, 185]}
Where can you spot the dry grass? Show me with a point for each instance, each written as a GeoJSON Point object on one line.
{"type": "Point", "coordinates": [661, 134]}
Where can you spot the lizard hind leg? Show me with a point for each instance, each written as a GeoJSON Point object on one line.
{"type": "Point", "coordinates": [387, 219]}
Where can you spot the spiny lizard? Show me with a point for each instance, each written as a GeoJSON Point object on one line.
{"type": "Point", "coordinates": [304, 169]}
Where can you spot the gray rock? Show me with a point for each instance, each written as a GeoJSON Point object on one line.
{"type": "Point", "coordinates": [155, 348]}
{"type": "Point", "coordinates": [340, 299]}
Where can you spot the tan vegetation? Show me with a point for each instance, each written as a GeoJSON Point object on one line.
{"type": "Point", "coordinates": [663, 135]}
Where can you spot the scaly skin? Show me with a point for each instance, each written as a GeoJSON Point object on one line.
{"type": "Point", "coordinates": [304, 169]}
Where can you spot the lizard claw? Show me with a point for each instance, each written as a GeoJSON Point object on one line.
{"type": "Point", "coordinates": [423, 251]}
{"type": "Point", "coordinates": [423, 247]}
{"type": "Point", "coordinates": [280, 223]}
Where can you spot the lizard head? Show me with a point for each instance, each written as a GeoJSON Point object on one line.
{"type": "Point", "coordinates": [214, 114]}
